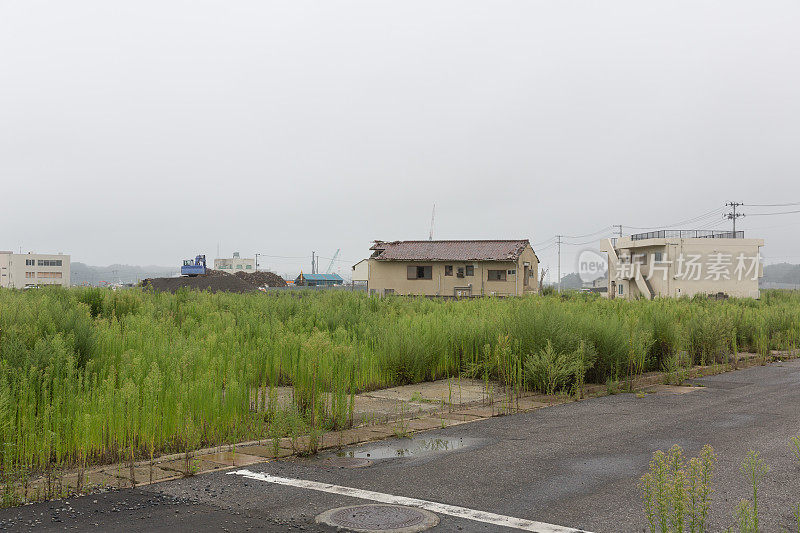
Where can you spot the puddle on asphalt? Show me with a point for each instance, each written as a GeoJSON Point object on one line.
{"type": "Point", "coordinates": [409, 448]}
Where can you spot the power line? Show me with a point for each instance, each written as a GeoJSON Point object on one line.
{"type": "Point", "coordinates": [776, 213]}
{"type": "Point", "coordinates": [773, 205]}
{"type": "Point", "coordinates": [682, 222]}
{"type": "Point", "coordinates": [543, 242]}
{"type": "Point", "coordinates": [604, 230]}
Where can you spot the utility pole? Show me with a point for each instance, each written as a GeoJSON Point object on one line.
{"type": "Point", "coordinates": [618, 226]}
{"type": "Point", "coordinates": [257, 254]}
{"type": "Point", "coordinates": [313, 263]}
{"type": "Point", "coordinates": [433, 217]}
{"type": "Point", "coordinates": [733, 215]}
{"type": "Point", "coordinates": [558, 237]}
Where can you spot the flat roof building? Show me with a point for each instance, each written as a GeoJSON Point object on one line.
{"type": "Point", "coordinates": [675, 263]}
{"type": "Point", "coordinates": [20, 271]}
{"type": "Point", "coordinates": [453, 268]}
{"type": "Point", "coordinates": [235, 264]}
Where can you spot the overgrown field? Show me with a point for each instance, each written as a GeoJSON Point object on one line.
{"type": "Point", "coordinates": [91, 375]}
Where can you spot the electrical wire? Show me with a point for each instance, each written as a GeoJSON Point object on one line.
{"type": "Point", "coordinates": [769, 214]}
{"type": "Point", "coordinates": [544, 242]}
{"type": "Point", "coordinates": [604, 230]}
{"type": "Point", "coordinates": [682, 222]}
{"type": "Point", "coordinates": [772, 205]}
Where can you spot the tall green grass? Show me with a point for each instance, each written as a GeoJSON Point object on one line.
{"type": "Point", "coordinates": [91, 375]}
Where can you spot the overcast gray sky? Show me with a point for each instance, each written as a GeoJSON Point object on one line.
{"type": "Point", "coordinates": [145, 132]}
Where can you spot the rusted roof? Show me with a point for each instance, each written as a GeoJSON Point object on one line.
{"type": "Point", "coordinates": [489, 250]}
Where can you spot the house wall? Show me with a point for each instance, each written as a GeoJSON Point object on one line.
{"type": "Point", "coordinates": [361, 270]}
{"type": "Point", "coordinates": [672, 285]}
{"type": "Point", "coordinates": [393, 275]}
{"type": "Point", "coordinates": [16, 274]}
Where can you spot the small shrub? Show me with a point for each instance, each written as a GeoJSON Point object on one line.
{"type": "Point", "coordinates": [754, 469]}
{"type": "Point", "coordinates": [676, 493]}
{"type": "Point", "coordinates": [794, 445]}
{"type": "Point", "coordinates": [548, 371]}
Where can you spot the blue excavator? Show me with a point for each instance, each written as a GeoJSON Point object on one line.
{"type": "Point", "coordinates": [195, 267]}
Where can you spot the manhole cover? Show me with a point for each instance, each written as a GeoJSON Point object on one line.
{"type": "Point", "coordinates": [346, 462]}
{"type": "Point", "coordinates": [376, 517]}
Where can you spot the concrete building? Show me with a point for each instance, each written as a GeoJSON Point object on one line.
{"type": "Point", "coordinates": [453, 268]}
{"type": "Point", "coordinates": [235, 264]}
{"type": "Point", "coordinates": [18, 271]}
{"type": "Point", "coordinates": [675, 263]}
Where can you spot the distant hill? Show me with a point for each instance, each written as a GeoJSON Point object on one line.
{"type": "Point", "coordinates": [781, 276]}
{"type": "Point", "coordinates": [782, 273]}
{"type": "Point", "coordinates": [83, 274]}
{"type": "Point", "coordinates": [571, 281]}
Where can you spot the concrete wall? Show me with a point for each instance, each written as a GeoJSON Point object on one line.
{"type": "Point", "coordinates": [668, 281]}
{"type": "Point", "coordinates": [392, 275]}
{"type": "Point", "coordinates": [235, 264]}
{"type": "Point", "coordinates": [15, 273]}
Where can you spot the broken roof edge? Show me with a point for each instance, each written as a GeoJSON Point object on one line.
{"type": "Point", "coordinates": [388, 250]}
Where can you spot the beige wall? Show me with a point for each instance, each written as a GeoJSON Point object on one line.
{"type": "Point", "coordinates": [392, 275]}
{"type": "Point", "coordinates": [360, 271]}
{"type": "Point", "coordinates": [668, 283]}
{"type": "Point", "coordinates": [16, 274]}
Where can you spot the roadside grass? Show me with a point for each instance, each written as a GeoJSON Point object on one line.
{"type": "Point", "coordinates": [676, 493]}
{"type": "Point", "coordinates": [93, 376]}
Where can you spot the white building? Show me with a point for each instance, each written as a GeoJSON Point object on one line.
{"type": "Point", "coordinates": [675, 263]}
{"type": "Point", "coordinates": [18, 271]}
{"type": "Point", "coordinates": [235, 264]}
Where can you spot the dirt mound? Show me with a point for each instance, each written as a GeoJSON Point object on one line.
{"type": "Point", "coordinates": [213, 283]}
{"type": "Point", "coordinates": [262, 279]}
{"type": "Point", "coordinates": [210, 272]}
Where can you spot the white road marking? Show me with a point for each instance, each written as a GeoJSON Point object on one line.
{"type": "Point", "coordinates": [442, 508]}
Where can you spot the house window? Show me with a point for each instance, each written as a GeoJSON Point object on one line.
{"type": "Point", "coordinates": [512, 272]}
{"type": "Point", "coordinates": [420, 272]}
{"type": "Point", "coordinates": [30, 262]}
{"type": "Point", "coordinates": [448, 270]}
{"type": "Point", "coordinates": [30, 274]}
{"type": "Point", "coordinates": [620, 288]}
{"type": "Point", "coordinates": [496, 275]}
{"type": "Point", "coordinates": [49, 262]}
{"type": "Point", "coordinates": [460, 272]}
{"type": "Point", "coordinates": [657, 257]}
{"type": "Point", "coordinates": [48, 275]}
{"type": "Point", "coordinates": [470, 270]}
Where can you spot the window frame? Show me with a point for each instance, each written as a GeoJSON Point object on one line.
{"type": "Point", "coordinates": [501, 275]}
{"type": "Point", "coordinates": [425, 270]}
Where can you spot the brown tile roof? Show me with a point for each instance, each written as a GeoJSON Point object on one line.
{"type": "Point", "coordinates": [497, 250]}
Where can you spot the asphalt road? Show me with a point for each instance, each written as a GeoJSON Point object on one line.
{"type": "Point", "coordinates": [574, 465]}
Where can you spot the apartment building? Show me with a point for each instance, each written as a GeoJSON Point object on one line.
{"type": "Point", "coordinates": [20, 271]}
{"type": "Point", "coordinates": [235, 264]}
{"type": "Point", "coordinates": [453, 268]}
{"type": "Point", "coordinates": [675, 263]}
